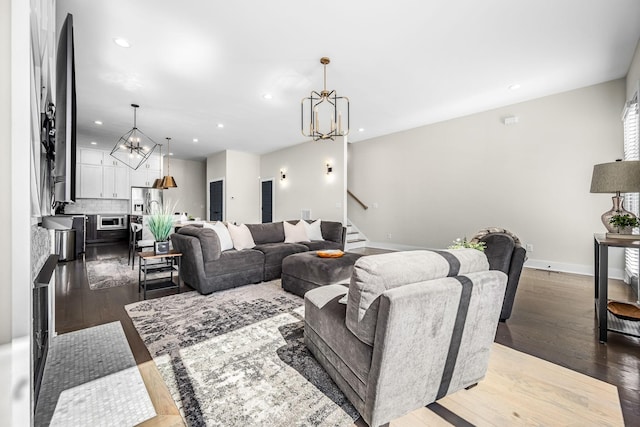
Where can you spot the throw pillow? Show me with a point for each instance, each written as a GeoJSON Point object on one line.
{"type": "Point", "coordinates": [223, 234]}
{"type": "Point", "coordinates": [295, 233]}
{"type": "Point", "coordinates": [241, 236]}
{"type": "Point", "coordinates": [313, 229]}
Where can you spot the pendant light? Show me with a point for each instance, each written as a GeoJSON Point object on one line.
{"type": "Point", "coordinates": [158, 181]}
{"type": "Point", "coordinates": [323, 111]}
{"type": "Point", "coordinates": [134, 147]}
{"type": "Point", "coordinates": [167, 180]}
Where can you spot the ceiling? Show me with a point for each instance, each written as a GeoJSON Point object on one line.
{"type": "Point", "coordinates": [403, 64]}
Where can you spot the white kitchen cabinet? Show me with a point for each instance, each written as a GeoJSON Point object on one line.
{"type": "Point", "coordinates": [100, 176]}
{"type": "Point", "coordinates": [90, 181]}
{"type": "Point", "coordinates": [147, 173]}
{"type": "Point", "coordinates": [115, 183]}
{"type": "Point", "coordinates": [91, 157]}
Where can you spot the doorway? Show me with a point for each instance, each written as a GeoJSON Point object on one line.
{"type": "Point", "coordinates": [216, 190]}
{"type": "Point", "coordinates": [266, 196]}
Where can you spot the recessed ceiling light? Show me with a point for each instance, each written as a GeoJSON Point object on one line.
{"type": "Point", "coordinates": [195, 139]}
{"type": "Point", "coordinates": [98, 122]}
{"type": "Point", "coordinates": [94, 143]}
{"type": "Point", "coordinates": [267, 96]}
{"type": "Point", "coordinates": [514, 86]}
{"type": "Point", "coordinates": [220, 125]}
{"type": "Point", "coordinates": [171, 154]}
{"type": "Point", "coordinates": [121, 42]}
{"type": "Point", "coordinates": [361, 130]}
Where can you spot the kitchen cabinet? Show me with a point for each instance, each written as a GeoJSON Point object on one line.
{"type": "Point", "coordinates": [90, 181]}
{"type": "Point", "coordinates": [100, 176]}
{"type": "Point", "coordinates": [92, 228]}
{"type": "Point", "coordinates": [115, 183]}
{"type": "Point", "coordinates": [147, 173]}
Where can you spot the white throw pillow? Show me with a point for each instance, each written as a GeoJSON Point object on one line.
{"type": "Point", "coordinates": [313, 230]}
{"type": "Point", "coordinates": [241, 236]}
{"type": "Point", "coordinates": [295, 233]}
{"type": "Point", "coordinates": [223, 234]}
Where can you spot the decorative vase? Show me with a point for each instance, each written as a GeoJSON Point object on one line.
{"type": "Point", "coordinates": [161, 248]}
{"type": "Point", "coordinates": [616, 209]}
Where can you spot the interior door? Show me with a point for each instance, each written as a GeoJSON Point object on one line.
{"type": "Point", "coordinates": [215, 201]}
{"type": "Point", "coordinates": [267, 201]}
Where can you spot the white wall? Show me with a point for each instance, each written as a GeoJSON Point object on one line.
{"type": "Point", "coordinates": [190, 195]}
{"type": "Point", "coordinates": [447, 180]}
{"type": "Point", "coordinates": [307, 185]}
{"type": "Point", "coordinates": [5, 167]}
{"type": "Point", "coordinates": [242, 192]}
{"type": "Point", "coordinates": [633, 76]}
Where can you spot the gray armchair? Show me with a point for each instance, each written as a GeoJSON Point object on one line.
{"type": "Point", "coordinates": [505, 253]}
{"type": "Point", "coordinates": [416, 326]}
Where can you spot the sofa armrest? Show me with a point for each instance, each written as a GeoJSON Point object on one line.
{"type": "Point", "coordinates": [191, 264]}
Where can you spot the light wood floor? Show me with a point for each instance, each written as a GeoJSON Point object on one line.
{"type": "Point", "coordinates": [547, 366]}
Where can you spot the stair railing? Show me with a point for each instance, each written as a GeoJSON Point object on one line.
{"type": "Point", "coordinates": [360, 202]}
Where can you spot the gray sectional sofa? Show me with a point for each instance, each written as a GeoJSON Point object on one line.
{"type": "Point", "coordinates": [206, 268]}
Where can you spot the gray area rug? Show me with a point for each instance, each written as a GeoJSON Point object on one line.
{"type": "Point", "coordinates": [237, 358]}
{"type": "Point", "coordinates": [91, 379]}
{"type": "Point", "coordinates": [109, 273]}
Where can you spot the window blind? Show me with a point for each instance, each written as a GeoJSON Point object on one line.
{"type": "Point", "coordinates": [631, 200]}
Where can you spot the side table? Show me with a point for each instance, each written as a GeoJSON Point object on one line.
{"type": "Point", "coordinates": [158, 283]}
{"type": "Point", "coordinates": [601, 245]}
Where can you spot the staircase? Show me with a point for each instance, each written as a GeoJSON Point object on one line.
{"type": "Point", "coordinates": [355, 239]}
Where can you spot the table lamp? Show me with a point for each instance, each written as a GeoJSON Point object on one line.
{"type": "Point", "coordinates": [616, 177]}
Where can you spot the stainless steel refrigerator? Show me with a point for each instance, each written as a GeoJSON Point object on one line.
{"type": "Point", "coordinates": [145, 200]}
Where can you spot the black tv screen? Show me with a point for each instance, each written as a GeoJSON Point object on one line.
{"type": "Point", "coordinates": [64, 176]}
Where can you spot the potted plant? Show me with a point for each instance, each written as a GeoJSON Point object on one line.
{"type": "Point", "coordinates": [463, 243]}
{"type": "Point", "coordinates": [624, 223]}
{"type": "Point", "coordinates": [161, 226]}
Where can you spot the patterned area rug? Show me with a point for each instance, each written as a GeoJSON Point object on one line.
{"type": "Point", "coordinates": [237, 358]}
{"type": "Point", "coordinates": [108, 273]}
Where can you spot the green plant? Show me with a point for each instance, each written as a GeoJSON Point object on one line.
{"type": "Point", "coordinates": [463, 243]}
{"type": "Point", "coordinates": [161, 223]}
{"type": "Point", "coordinates": [624, 221]}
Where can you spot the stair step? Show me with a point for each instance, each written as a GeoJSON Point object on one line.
{"type": "Point", "coordinates": [356, 240]}
{"type": "Point", "coordinates": [353, 232]}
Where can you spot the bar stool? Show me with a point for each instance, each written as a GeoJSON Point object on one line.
{"type": "Point", "coordinates": [135, 244]}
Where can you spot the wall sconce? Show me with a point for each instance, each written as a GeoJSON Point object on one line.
{"type": "Point", "coordinates": [283, 176]}
{"type": "Point", "coordinates": [329, 168]}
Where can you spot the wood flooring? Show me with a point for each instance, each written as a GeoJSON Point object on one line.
{"type": "Point", "coordinates": [553, 320]}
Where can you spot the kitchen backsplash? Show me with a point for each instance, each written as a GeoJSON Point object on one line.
{"type": "Point", "coordinates": [97, 206]}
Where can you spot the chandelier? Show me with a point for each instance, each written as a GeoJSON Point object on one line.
{"type": "Point", "coordinates": [134, 147]}
{"type": "Point", "coordinates": [324, 112]}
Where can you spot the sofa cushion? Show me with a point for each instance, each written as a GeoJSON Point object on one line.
{"type": "Point", "coordinates": [295, 233]}
{"type": "Point", "coordinates": [223, 234]}
{"type": "Point", "coordinates": [274, 253]}
{"type": "Point", "coordinates": [373, 275]}
{"type": "Point", "coordinates": [241, 236]}
{"type": "Point", "coordinates": [270, 232]}
{"type": "Point", "coordinates": [234, 261]}
{"type": "Point", "coordinates": [313, 229]}
{"type": "Point", "coordinates": [321, 245]}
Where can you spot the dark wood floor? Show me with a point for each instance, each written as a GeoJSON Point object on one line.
{"type": "Point", "coordinates": [553, 319]}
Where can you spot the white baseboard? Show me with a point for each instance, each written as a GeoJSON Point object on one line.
{"type": "Point", "coordinates": [539, 264]}
{"type": "Point", "coordinates": [585, 270]}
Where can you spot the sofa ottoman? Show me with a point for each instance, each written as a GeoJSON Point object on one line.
{"type": "Point", "coordinates": [305, 271]}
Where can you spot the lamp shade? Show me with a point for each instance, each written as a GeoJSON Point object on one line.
{"type": "Point", "coordinates": [621, 176]}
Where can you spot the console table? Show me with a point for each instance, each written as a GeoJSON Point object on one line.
{"type": "Point", "coordinates": [601, 245]}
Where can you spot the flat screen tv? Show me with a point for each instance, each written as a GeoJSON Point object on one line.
{"type": "Point", "coordinates": [64, 176]}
